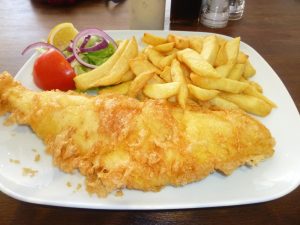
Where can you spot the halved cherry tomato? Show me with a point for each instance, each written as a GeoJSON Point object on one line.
{"type": "Point", "coordinates": [52, 71]}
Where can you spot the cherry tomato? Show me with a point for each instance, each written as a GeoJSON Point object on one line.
{"type": "Point", "coordinates": [52, 71]}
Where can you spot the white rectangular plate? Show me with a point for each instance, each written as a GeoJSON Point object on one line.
{"type": "Point", "coordinates": [271, 179]}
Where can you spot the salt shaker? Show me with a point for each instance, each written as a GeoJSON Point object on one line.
{"type": "Point", "coordinates": [236, 9]}
{"type": "Point", "coordinates": [215, 13]}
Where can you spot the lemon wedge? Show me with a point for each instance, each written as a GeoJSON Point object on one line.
{"type": "Point", "coordinates": [61, 35]}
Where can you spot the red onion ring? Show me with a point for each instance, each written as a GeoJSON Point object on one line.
{"type": "Point", "coordinates": [39, 45]}
{"type": "Point", "coordinates": [71, 58]}
{"type": "Point", "coordinates": [92, 31]}
{"type": "Point", "coordinates": [85, 41]}
{"type": "Point", "coordinates": [70, 47]}
{"type": "Point", "coordinates": [97, 47]}
{"type": "Point", "coordinates": [87, 35]}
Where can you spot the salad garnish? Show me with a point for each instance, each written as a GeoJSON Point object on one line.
{"type": "Point", "coordinates": [89, 49]}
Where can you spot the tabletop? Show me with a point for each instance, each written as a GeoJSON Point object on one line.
{"type": "Point", "coordinates": [270, 27]}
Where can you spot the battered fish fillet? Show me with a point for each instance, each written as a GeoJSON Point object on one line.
{"type": "Point", "coordinates": [119, 142]}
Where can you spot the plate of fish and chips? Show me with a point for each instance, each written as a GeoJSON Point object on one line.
{"type": "Point", "coordinates": [27, 173]}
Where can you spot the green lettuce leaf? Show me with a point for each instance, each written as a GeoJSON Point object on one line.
{"type": "Point", "coordinates": [99, 57]}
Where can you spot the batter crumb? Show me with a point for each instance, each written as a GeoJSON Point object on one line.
{"type": "Point", "coordinates": [119, 193]}
{"type": "Point", "coordinates": [14, 161]}
{"type": "Point", "coordinates": [34, 150]}
{"type": "Point", "coordinates": [69, 184]}
{"type": "Point", "coordinates": [29, 172]}
{"type": "Point", "coordinates": [37, 158]}
{"type": "Point", "coordinates": [78, 187]}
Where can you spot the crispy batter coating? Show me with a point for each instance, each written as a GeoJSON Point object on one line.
{"type": "Point", "coordinates": [119, 142]}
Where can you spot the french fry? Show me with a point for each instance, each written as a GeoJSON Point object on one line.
{"type": "Point", "coordinates": [183, 95]}
{"type": "Point", "coordinates": [256, 86]}
{"type": "Point", "coordinates": [222, 84]}
{"type": "Point", "coordinates": [221, 41]}
{"type": "Point", "coordinates": [166, 74]}
{"type": "Point", "coordinates": [232, 48]}
{"type": "Point", "coordinates": [242, 58]}
{"type": "Point", "coordinates": [196, 63]}
{"type": "Point", "coordinates": [202, 94]}
{"type": "Point", "coordinates": [141, 65]}
{"type": "Point", "coordinates": [176, 72]}
{"type": "Point", "coordinates": [171, 38]}
{"type": "Point", "coordinates": [251, 90]}
{"type": "Point", "coordinates": [163, 48]}
{"type": "Point", "coordinates": [192, 102]}
{"type": "Point", "coordinates": [253, 84]}
{"type": "Point", "coordinates": [166, 61]}
{"type": "Point", "coordinates": [154, 56]}
{"type": "Point", "coordinates": [89, 79]}
{"type": "Point", "coordinates": [237, 72]}
{"type": "Point", "coordinates": [141, 55]}
{"type": "Point", "coordinates": [249, 70]}
{"type": "Point", "coordinates": [196, 43]}
{"type": "Point", "coordinates": [129, 75]}
{"type": "Point", "coordinates": [221, 58]}
{"type": "Point", "coordinates": [208, 71]}
{"type": "Point", "coordinates": [186, 73]}
{"type": "Point", "coordinates": [188, 80]}
{"type": "Point", "coordinates": [174, 50]}
{"type": "Point", "coordinates": [210, 49]}
{"type": "Point", "coordinates": [161, 91]}
{"type": "Point", "coordinates": [223, 103]}
{"type": "Point", "coordinates": [156, 80]}
{"type": "Point", "coordinates": [141, 97]}
{"type": "Point", "coordinates": [138, 83]}
{"type": "Point", "coordinates": [224, 70]}
{"type": "Point", "coordinates": [249, 103]}
{"type": "Point", "coordinates": [180, 41]}
{"type": "Point", "coordinates": [121, 66]}
{"type": "Point", "coordinates": [177, 76]}
{"type": "Point", "coordinates": [117, 89]}
{"type": "Point", "coordinates": [153, 40]}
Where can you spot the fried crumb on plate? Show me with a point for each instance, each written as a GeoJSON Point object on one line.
{"type": "Point", "coordinates": [37, 158]}
{"type": "Point", "coordinates": [29, 172]}
{"type": "Point", "coordinates": [14, 161]}
{"type": "Point", "coordinates": [78, 187]}
{"type": "Point", "coordinates": [119, 193]}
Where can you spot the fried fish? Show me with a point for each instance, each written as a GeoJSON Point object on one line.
{"type": "Point", "coordinates": [118, 142]}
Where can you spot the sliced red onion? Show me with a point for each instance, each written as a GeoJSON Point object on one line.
{"type": "Point", "coordinates": [85, 41]}
{"type": "Point", "coordinates": [71, 58]}
{"type": "Point", "coordinates": [38, 45]}
{"type": "Point", "coordinates": [103, 44]}
{"type": "Point", "coordinates": [70, 47]}
{"type": "Point", "coordinates": [92, 31]}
